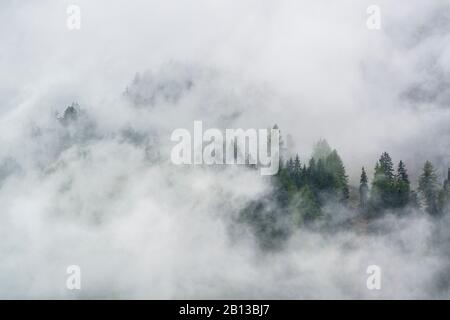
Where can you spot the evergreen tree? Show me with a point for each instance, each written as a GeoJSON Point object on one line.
{"type": "Point", "coordinates": [376, 200]}
{"type": "Point", "coordinates": [298, 171]}
{"type": "Point", "coordinates": [387, 166]}
{"type": "Point", "coordinates": [444, 195]}
{"type": "Point", "coordinates": [363, 190]}
{"type": "Point", "coordinates": [339, 179]}
{"type": "Point", "coordinates": [309, 206]}
{"type": "Point", "coordinates": [429, 188]}
{"type": "Point", "coordinates": [402, 186]}
{"type": "Point", "coordinates": [304, 173]}
{"type": "Point", "coordinates": [320, 176]}
{"type": "Point", "coordinates": [297, 164]}
{"type": "Point", "coordinates": [286, 183]}
{"type": "Point", "coordinates": [383, 193]}
{"type": "Point", "coordinates": [290, 166]}
{"type": "Point", "coordinates": [311, 178]}
{"type": "Point", "coordinates": [447, 181]}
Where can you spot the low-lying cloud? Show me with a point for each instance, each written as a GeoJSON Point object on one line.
{"type": "Point", "coordinates": [100, 191]}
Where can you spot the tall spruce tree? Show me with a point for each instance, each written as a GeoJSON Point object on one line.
{"type": "Point", "coordinates": [322, 183]}
{"type": "Point", "coordinates": [387, 166]}
{"type": "Point", "coordinates": [363, 190]}
{"type": "Point", "coordinates": [402, 186]}
{"type": "Point", "coordinates": [298, 177]}
{"type": "Point", "coordinates": [339, 178]}
{"type": "Point", "coordinates": [444, 195]}
{"type": "Point", "coordinates": [290, 166]}
{"type": "Point", "coordinates": [446, 190]}
{"type": "Point", "coordinates": [311, 171]}
{"type": "Point", "coordinates": [310, 207]}
{"type": "Point", "coordinates": [429, 188]}
{"type": "Point", "coordinates": [383, 193]}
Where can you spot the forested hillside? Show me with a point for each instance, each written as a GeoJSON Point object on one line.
{"type": "Point", "coordinates": [315, 193]}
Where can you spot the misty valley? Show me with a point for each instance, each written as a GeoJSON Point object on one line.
{"type": "Point", "coordinates": [308, 208]}
{"type": "Point", "coordinates": [225, 150]}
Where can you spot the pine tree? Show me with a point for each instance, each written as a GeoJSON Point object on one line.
{"type": "Point", "coordinates": [383, 193]}
{"type": "Point", "coordinates": [339, 179]}
{"type": "Point", "coordinates": [297, 167]}
{"type": "Point", "coordinates": [363, 190]}
{"type": "Point", "coordinates": [447, 181]}
{"type": "Point", "coordinates": [428, 188]}
{"type": "Point", "coordinates": [444, 194]}
{"type": "Point", "coordinates": [321, 180]}
{"type": "Point", "coordinates": [311, 172]}
{"type": "Point", "coordinates": [387, 166]}
{"type": "Point", "coordinates": [402, 186]}
{"type": "Point", "coordinates": [290, 166]}
{"type": "Point", "coordinates": [309, 207]}
{"type": "Point", "coordinates": [297, 164]}
{"type": "Point", "coordinates": [376, 190]}
{"type": "Point", "coordinates": [447, 190]}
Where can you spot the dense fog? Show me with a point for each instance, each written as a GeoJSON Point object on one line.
{"type": "Point", "coordinates": [93, 185]}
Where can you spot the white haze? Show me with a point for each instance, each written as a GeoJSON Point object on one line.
{"type": "Point", "coordinates": [102, 193]}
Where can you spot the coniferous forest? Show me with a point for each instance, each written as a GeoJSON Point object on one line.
{"type": "Point", "coordinates": [302, 190]}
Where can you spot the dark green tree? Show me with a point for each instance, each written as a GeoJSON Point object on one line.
{"type": "Point", "coordinates": [297, 171]}
{"type": "Point", "coordinates": [363, 190]}
{"type": "Point", "coordinates": [383, 193]}
{"type": "Point", "coordinates": [290, 166]}
{"type": "Point", "coordinates": [444, 195]}
{"type": "Point", "coordinates": [321, 176]}
{"type": "Point", "coordinates": [309, 206]}
{"type": "Point", "coordinates": [339, 181]}
{"type": "Point", "coordinates": [387, 166]}
{"type": "Point", "coordinates": [429, 188]}
{"type": "Point", "coordinates": [311, 171]}
{"type": "Point", "coordinates": [402, 186]}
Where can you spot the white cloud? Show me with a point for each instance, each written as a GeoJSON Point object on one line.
{"type": "Point", "coordinates": [92, 194]}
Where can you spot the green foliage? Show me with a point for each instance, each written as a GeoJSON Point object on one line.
{"type": "Point", "coordinates": [383, 192]}
{"type": "Point", "coordinates": [402, 186]}
{"type": "Point", "coordinates": [308, 206]}
{"type": "Point", "coordinates": [297, 174]}
{"type": "Point", "coordinates": [335, 167]}
{"type": "Point", "coordinates": [429, 188]}
{"type": "Point", "coordinates": [300, 192]}
{"type": "Point", "coordinates": [444, 195]}
{"type": "Point", "coordinates": [363, 190]}
{"type": "Point", "coordinates": [304, 189]}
